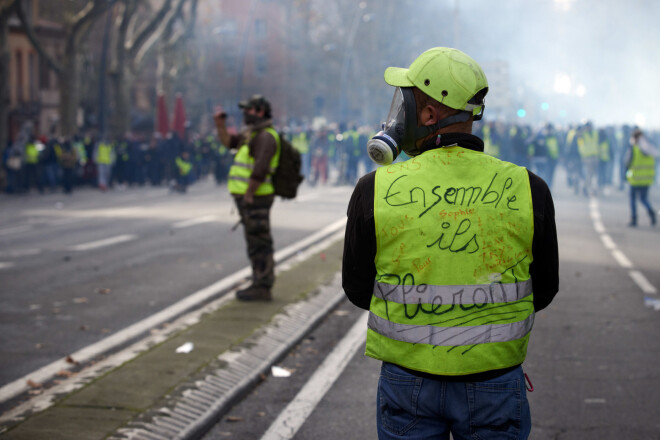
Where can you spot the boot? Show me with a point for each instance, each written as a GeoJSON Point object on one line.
{"type": "Point", "coordinates": [253, 293]}
{"type": "Point", "coordinates": [653, 219]}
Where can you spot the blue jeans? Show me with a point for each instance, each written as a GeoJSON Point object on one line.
{"type": "Point", "coordinates": [411, 407]}
{"type": "Point", "coordinates": [643, 193]}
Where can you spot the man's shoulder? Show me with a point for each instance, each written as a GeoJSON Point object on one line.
{"type": "Point", "coordinates": [267, 135]}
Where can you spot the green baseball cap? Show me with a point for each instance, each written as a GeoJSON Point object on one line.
{"type": "Point", "coordinates": [447, 75]}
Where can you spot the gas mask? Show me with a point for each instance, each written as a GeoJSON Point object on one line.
{"type": "Point", "coordinates": [250, 119]}
{"type": "Point", "coordinates": [400, 131]}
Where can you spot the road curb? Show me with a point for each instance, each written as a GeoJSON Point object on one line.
{"type": "Point", "coordinates": [195, 407]}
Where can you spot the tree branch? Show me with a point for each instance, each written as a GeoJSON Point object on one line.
{"type": "Point", "coordinates": [149, 29]}
{"type": "Point", "coordinates": [92, 10]}
{"type": "Point", "coordinates": [29, 31]}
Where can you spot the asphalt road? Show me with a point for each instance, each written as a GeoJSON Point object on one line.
{"type": "Point", "coordinates": [76, 269]}
{"type": "Point", "coordinates": [593, 353]}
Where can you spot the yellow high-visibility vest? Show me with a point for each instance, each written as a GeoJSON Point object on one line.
{"type": "Point", "coordinates": [642, 168]}
{"type": "Point", "coordinates": [453, 292]}
{"type": "Point", "coordinates": [241, 170]}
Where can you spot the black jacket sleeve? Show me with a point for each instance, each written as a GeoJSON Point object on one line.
{"type": "Point", "coordinates": [359, 269]}
{"type": "Point", "coordinates": [545, 267]}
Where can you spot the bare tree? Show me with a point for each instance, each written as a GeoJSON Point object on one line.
{"type": "Point", "coordinates": [67, 69]}
{"type": "Point", "coordinates": [133, 43]}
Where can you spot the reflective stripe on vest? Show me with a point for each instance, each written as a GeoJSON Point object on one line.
{"type": "Point", "coordinates": [453, 293]}
{"type": "Point", "coordinates": [642, 168]}
{"type": "Point", "coordinates": [241, 170]}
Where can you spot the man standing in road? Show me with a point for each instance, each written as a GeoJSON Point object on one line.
{"type": "Point", "coordinates": [250, 182]}
{"type": "Point", "coordinates": [452, 252]}
{"type": "Point", "coordinates": [640, 173]}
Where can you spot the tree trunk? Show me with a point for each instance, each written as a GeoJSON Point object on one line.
{"type": "Point", "coordinates": [68, 85]}
{"type": "Point", "coordinates": [4, 88]}
{"type": "Point", "coordinates": [122, 80]}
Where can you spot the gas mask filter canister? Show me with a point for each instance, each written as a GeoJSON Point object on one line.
{"type": "Point", "coordinates": [386, 145]}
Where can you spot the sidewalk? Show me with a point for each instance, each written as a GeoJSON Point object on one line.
{"type": "Point", "coordinates": [165, 394]}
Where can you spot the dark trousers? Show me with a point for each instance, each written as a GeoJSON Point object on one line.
{"type": "Point", "coordinates": [643, 193]}
{"type": "Point", "coordinates": [67, 179]}
{"type": "Point", "coordinates": [256, 225]}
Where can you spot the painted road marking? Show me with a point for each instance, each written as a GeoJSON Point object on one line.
{"type": "Point", "coordinates": [17, 253]}
{"type": "Point", "coordinates": [621, 259]}
{"type": "Point", "coordinates": [327, 234]}
{"type": "Point", "coordinates": [15, 229]}
{"type": "Point", "coordinates": [194, 222]}
{"type": "Point", "coordinates": [6, 264]}
{"type": "Point", "coordinates": [642, 282]}
{"type": "Point", "coordinates": [637, 276]}
{"type": "Point", "coordinates": [103, 243]}
{"type": "Point", "coordinates": [607, 241]}
{"type": "Point", "coordinates": [298, 410]}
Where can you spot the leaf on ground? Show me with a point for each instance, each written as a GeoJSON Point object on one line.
{"type": "Point", "coordinates": [81, 300]}
{"type": "Point", "coordinates": [70, 360]}
{"type": "Point", "coordinates": [103, 290]}
{"type": "Point", "coordinates": [33, 384]}
{"type": "Point", "coordinates": [65, 373]}
{"type": "Point", "coordinates": [234, 419]}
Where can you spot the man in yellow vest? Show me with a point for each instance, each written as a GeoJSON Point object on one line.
{"type": "Point", "coordinates": [587, 142]}
{"type": "Point", "coordinates": [104, 156]}
{"type": "Point", "coordinates": [452, 252]}
{"type": "Point", "coordinates": [640, 166]}
{"type": "Point", "coordinates": [250, 182]}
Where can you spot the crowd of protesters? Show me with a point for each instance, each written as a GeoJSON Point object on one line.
{"type": "Point", "coordinates": [332, 153]}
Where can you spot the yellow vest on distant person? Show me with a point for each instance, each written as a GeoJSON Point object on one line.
{"type": "Point", "coordinates": [241, 170]}
{"type": "Point", "coordinates": [642, 168]}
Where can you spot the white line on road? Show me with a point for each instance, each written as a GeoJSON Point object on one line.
{"type": "Point", "coordinates": [607, 241]}
{"type": "Point", "coordinates": [619, 256]}
{"type": "Point", "coordinates": [621, 259]}
{"type": "Point", "coordinates": [599, 227]}
{"type": "Point", "coordinates": [194, 222]}
{"type": "Point", "coordinates": [642, 282]}
{"type": "Point", "coordinates": [15, 229]}
{"type": "Point", "coordinates": [201, 296]}
{"type": "Point", "coordinates": [294, 415]}
{"type": "Point", "coordinates": [103, 243]}
{"type": "Point", "coordinates": [6, 264]}
{"type": "Point", "coordinates": [17, 253]}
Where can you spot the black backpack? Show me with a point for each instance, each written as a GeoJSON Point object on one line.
{"type": "Point", "coordinates": [287, 177]}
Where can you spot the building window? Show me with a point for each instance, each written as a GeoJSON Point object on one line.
{"type": "Point", "coordinates": [260, 29]}
{"type": "Point", "coordinates": [19, 76]}
{"type": "Point", "coordinates": [261, 64]}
